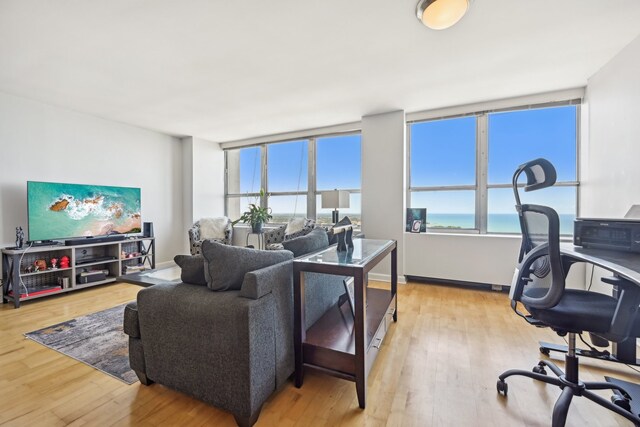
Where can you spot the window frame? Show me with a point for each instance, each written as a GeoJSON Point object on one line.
{"type": "Point", "coordinates": [311, 193]}
{"type": "Point", "coordinates": [482, 186]}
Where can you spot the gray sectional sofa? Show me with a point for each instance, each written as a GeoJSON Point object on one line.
{"type": "Point", "coordinates": [231, 347]}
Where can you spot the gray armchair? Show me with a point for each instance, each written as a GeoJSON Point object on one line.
{"type": "Point", "coordinates": [233, 348]}
{"type": "Point", "coordinates": [195, 240]}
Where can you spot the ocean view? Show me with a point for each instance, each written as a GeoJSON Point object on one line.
{"type": "Point", "coordinates": [496, 223]}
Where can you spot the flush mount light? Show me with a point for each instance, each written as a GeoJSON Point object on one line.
{"type": "Point", "coordinates": [441, 14]}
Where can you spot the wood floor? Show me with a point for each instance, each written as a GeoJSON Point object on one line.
{"type": "Point", "coordinates": [438, 367]}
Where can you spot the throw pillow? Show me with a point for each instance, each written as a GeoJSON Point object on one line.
{"type": "Point", "coordinates": [192, 269]}
{"type": "Point", "coordinates": [311, 242]}
{"type": "Point", "coordinates": [225, 266]}
{"type": "Point", "coordinates": [213, 228]}
{"type": "Point", "coordinates": [294, 225]}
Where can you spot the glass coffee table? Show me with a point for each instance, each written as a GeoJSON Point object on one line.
{"type": "Point", "coordinates": [346, 346]}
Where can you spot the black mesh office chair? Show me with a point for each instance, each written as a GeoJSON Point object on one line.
{"type": "Point", "coordinates": [539, 285]}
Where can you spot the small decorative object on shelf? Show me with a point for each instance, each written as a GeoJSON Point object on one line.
{"type": "Point", "coordinates": [54, 263]}
{"type": "Point", "coordinates": [416, 214]}
{"type": "Point", "coordinates": [40, 265]}
{"type": "Point", "coordinates": [64, 262]}
{"type": "Point", "coordinates": [19, 238]}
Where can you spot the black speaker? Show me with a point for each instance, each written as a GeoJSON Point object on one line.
{"type": "Point", "coordinates": [147, 229]}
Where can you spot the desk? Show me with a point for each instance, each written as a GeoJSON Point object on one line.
{"type": "Point", "coordinates": [622, 264]}
{"type": "Point", "coordinates": [345, 346]}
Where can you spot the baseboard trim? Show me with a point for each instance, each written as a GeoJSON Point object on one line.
{"type": "Point", "coordinates": [385, 278]}
{"type": "Point", "coordinates": [459, 283]}
{"type": "Point", "coordinates": [165, 264]}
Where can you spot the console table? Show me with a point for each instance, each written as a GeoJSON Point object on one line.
{"type": "Point", "coordinates": [346, 345]}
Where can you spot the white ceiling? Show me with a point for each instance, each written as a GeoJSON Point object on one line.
{"type": "Point", "coordinates": [228, 70]}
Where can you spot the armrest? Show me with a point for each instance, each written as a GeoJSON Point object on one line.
{"type": "Point", "coordinates": [131, 324]}
{"type": "Point", "coordinates": [261, 282]}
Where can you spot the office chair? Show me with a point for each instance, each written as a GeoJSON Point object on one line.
{"type": "Point", "coordinates": [539, 285]}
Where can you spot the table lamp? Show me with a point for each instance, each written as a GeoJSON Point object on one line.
{"type": "Point", "coordinates": [335, 199]}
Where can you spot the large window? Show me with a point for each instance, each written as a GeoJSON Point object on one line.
{"type": "Point", "coordinates": [461, 168]}
{"type": "Point", "coordinates": [293, 174]}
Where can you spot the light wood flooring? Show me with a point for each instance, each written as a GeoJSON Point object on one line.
{"type": "Point", "coordinates": [438, 367]}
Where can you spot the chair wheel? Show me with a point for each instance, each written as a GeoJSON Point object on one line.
{"type": "Point", "coordinates": [621, 402]}
{"type": "Point", "coordinates": [503, 387]}
{"type": "Point", "coordinates": [539, 370]}
{"type": "Point", "coordinates": [545, 351]}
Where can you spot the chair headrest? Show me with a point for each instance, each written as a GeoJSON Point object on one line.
{"type": "Point", "coordinates": [540, 174]}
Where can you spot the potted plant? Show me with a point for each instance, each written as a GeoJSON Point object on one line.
{"type": "Point", "coordinates": [256, 216]}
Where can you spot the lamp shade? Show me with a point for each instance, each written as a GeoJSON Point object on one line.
{"type": "Point", "coordinates": [441, 14]}
{"type": "Point", "coordinates": [335, 199]}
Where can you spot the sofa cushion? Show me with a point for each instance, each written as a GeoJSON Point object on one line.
{"type": "Point", "coordinates": [314, 241]}
{"type": "Point", "coordinates": [213, 228]}
{"type": "Point", "coordinates": [192, 267]}
{"type": "Point", "coordinates": [225, 266]}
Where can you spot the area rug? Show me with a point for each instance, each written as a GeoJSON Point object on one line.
{"type": "Point", "coordinates": [96, 339]}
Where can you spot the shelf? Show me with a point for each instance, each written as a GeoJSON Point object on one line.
{"type": "Point", "coordinates": [334, 330]}
{"type": "Point", "coordinates": [89, 264]}
{"type": "Point", "coordinates": [13, 278]}
{"type": "Point", "coordinates": [52, 270]}
{"type": "Point", "coordinates": [88, 285]}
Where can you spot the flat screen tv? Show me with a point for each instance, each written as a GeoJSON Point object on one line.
{"type": "Point", "coordinates": [62, 211]}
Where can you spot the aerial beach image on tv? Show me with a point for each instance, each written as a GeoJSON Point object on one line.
{"type": "Point", "coordinates": [58, 211]}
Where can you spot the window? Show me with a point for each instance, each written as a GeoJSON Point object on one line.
{"type": "Point", "coordinates": [338, 166]}
{"type": "Point", "coordinates": [287, 178]}
{"type": "Point", "coordinates": [461, 168]}
{"type": "Point", "coordinates": [293, 175]}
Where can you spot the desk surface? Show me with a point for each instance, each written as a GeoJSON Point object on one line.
{"type": "Point", "coordinates": [624, 264]}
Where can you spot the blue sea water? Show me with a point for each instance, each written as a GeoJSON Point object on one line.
{"type": "Point", "coordinates": [496, 223]}
{"type": "Point", "coordinates": [85, 210]}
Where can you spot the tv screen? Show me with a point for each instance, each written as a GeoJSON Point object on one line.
{"type": "Point", "coordinates": [59, 211]}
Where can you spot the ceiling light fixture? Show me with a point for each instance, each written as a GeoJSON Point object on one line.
{"type": "Point", "coordinates": [441, 14]}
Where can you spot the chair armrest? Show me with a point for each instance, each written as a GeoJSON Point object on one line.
{"type": "Point", "coordinates": [131, 324]}
{"type": "Point", "coordinates": [261, 282]}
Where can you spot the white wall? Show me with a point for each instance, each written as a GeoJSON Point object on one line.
{"type": "Point", "coordinates": [383, 183]}
{"type": "Point", "coordinates": [39, 142]}
{"type": "Point", "coordinates": [611, 173]}
{"type": "Point", "coordinates": [203, 180]}
{"type": "Point", "coordinates": [610, 181]}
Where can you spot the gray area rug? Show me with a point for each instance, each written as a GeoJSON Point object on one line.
{"type": "Point", "coordinates": [96, 339]}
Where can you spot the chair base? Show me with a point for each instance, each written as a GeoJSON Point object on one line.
{"type": "Point", "coordinates": [546, 348]}
{"type": "Point", "coordinates": [571, 386]}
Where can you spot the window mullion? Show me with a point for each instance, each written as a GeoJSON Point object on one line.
{"type": "Point", "coordinates": [311, 179]}
{"type": "Point", "coordinates": [482, 165]}
{"type": "Point", "coordinates": [264, 184]}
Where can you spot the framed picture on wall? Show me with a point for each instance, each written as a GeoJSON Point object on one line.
{"type": "Point", "coordinates": [416, 214]}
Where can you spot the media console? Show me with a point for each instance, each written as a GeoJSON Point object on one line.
{"type": "Point", "coordinates": [83, 266]}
